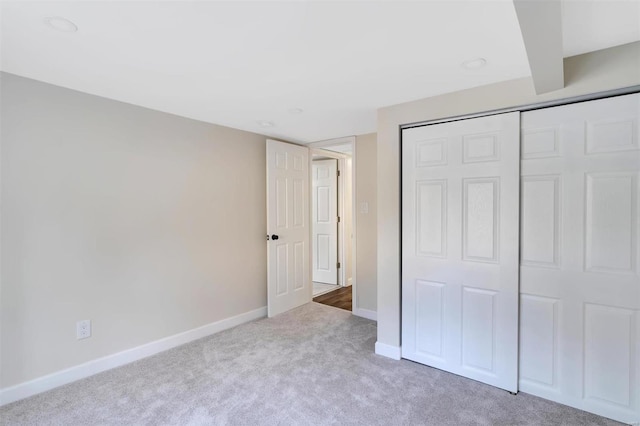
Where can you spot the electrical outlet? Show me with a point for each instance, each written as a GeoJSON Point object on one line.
{"type": "Point", "coordinates": [83, 329]}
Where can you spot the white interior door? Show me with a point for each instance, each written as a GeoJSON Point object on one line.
{"type": "Point", "coordinates": [580, 326]}
{"type": "Point", "coordinates": [288, 283]}
{"type": "Point", "coordinates": [460, 201]}
{"type": "Point", "coordinates": [324, 219]}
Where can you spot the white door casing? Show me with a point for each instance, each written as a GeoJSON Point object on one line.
{"type": "Point", "coordinates": [324, 221]}
{"type": "Point", "coordinates": [347, 220]}
{"type": "Point", "coordinates": [288, 275]}
{"type": "Point", "coordinates": [580, 285]}
{"type": "Point", "coordinates": [460, 224]}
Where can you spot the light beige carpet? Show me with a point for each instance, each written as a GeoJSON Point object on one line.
{"type": "Point", "coordinates": [314, 365]}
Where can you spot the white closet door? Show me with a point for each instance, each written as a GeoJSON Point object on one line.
{"type": "Point", "coordinates": [460, 201]}
{"type": "Point", "coordinates": [580, 327]}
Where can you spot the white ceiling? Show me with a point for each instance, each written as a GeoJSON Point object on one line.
{"type": "Point", "coordinates": [236, 62]}
{"type": "Point", "coordinates": [598, 24]}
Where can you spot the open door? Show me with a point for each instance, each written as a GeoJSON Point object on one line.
{"type": "Point", "coordinates": [288, 283]}
{"type": "Point", "coordinates": [324, 218]}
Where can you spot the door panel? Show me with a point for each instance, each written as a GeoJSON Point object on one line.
{"type": "Point", "coordinates": [460, 247]}
{"type": "Point", "coordinates": [324, 220]}
{"type": "Point", "coordinates": [480, 219]}
{"type": "Point", "coordinates": [538, 335]}
{"type": "Point", "coordinates": [431, 217]}
{"type": "Point", "coordinates": [288, 284]}
{"type": "Point", "coordinates": [580, 322]}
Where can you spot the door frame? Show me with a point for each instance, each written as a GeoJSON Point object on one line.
{"type": "Point", "coordinates": [323, 148]}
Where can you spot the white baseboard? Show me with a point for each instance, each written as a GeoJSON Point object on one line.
{"type": "Point", "coordinates": [366, 313]}
{"type": "Point", "coordinates": [389, 351]}
{"type": "Point", "coordinates": [59, 378]}
{"type": "Point", "coordinates": [349, 281]}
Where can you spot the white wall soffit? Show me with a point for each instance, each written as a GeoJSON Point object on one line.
{"type": "Point", "coordinates": [541, 27]}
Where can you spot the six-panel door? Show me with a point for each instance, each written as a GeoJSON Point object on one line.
{"type": "Point", "coordinates": [288, 284]}
{"type": "Point", "coordinates": [460, 247]}
{"type": "Point", "coordinates": [580, 327]}
{"type": "Point", "coordinates": [324, 220]}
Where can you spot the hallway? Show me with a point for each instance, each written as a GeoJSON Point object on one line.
{"type": "Point", "coordinates": [340, 298]}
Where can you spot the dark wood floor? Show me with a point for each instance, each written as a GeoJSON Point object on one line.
{"type": "Point", "coordinates": [340, 298]}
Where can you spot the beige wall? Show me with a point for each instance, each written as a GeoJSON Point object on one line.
{"type": "Point", "coordinates": [124, 216]}
{"type": "Point", "coordinates": [366, 232]}
{"type": "Point", "coordinates": [590, 73]}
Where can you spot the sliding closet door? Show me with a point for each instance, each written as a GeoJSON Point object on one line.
{"type": "Point", "coordinates": [460, 202]}
{"type": "Point", "coordinates": [580, 322]}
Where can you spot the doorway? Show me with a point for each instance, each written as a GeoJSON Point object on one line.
{"type": "Point", "coordinates": [333, 222]}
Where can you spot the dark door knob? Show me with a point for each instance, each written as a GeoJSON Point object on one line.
{"type": "Point", "coordinates": [274, 237]}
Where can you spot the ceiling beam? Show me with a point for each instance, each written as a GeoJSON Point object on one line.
{"type": "Point", "coordinates": [541, 28]}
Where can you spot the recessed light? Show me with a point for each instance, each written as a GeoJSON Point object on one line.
{"type": "Point", "coordinates": [296, 111]}
{"type": "Point", "coordinates": [474, 64]}
{"type": "Point", "coordinates": [61, 24]}
{"type": "Point", "coordinates": [266, 123]}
